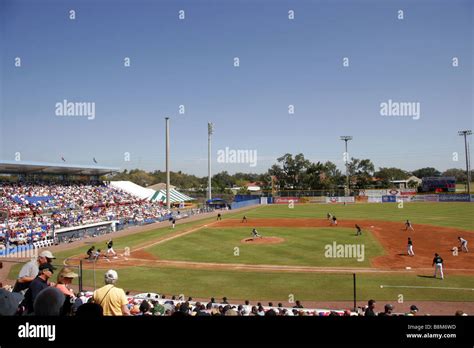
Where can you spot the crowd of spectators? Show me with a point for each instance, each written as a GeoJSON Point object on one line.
{"type": "Point", "coordinates": [35, 209]}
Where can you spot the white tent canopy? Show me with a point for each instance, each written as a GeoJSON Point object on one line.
{"type": "Point", "coordinates": [175, 196]}
{"type": "Point", "coordinates": [150, 194]}
{"type": "Point", "coordinates": [133, 189]}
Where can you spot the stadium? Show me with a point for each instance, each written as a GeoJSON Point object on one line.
{"type": "Point", "coordinates": [247, 158]}
{"type": "Point", "coordinates": [300, 254]}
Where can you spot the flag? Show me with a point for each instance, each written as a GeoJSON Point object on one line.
{"type": "Point", "coordinates": [95, 161]}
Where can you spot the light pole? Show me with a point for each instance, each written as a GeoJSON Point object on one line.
{"type": "Point", "coordinates": [465, 133]}
{"type": "Point", "coordinates": [168, 203]}
{"type": "Point", "coordinates": [210, 130]}
{"type": "Point", "coordinates": [346, 138]}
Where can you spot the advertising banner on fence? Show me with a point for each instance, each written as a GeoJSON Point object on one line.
{"type": "Point", "coordinates": [431, 198]}
{"type": "Point", "coordinates": [454, 198]}
{"type": "Point", "coordinates": [285, 200]}
{"type": "Point", "coordinates": [336, 200]}
{"type": "Point", "coordinates": [372, 193]}
{"type": "Point", "coordinates": [320, 199]}
{"type": "Point", "coordinates": [389, 199]}
{"type": "Point", "coordinates": [403, 198]}
{"type": "Point", "coordinates": [377, 199]}
{"type": "Point", "coordinates": [472, 198]}
{"type": "Point", "coordinates": [387, 192]}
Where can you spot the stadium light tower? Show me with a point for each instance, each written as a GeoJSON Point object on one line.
{"type": "Point", "coordinates": [346, 138]}
{"type": "Point", "coordinates": [168, 203]}
{"type": "Point", "coordinates": [465, 133]}
{"type": "Point", "coordinates": [210, 130]}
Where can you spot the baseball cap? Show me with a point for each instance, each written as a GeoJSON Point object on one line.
{"type": "Point", "coordinates": [47, 254]}
{"type": "Point", "coordinates": [111, 275]}
{"type": "Point", "coordinates": [388, 306]}
{"type": "Point", "coordinates": [413, 308]}
{"type": "Point", "coordinates": [48, 266]}
{"type": "Point", "coordinates": [9, 302]}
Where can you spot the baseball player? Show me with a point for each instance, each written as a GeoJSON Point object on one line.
{"type": "Point", "coordinates": [334, 221]}
{"type": "Point", "coordinates": [244, 219]}
{"type": "Point", "coordinates": [219, 217]}
{"type": "Point", "coordinates": [110, 248]}
{"type": "Point", "coordinates": [359, 230]}
{"type": "Point", "coordinates": [410, 247]}
{"type": "Point", "coordinates": [173, 222]}
{"type": "Point", "coordinates": [438, 264]}
{"type": "Point", "coordinates": [255, 234]}
{"type": "Point", "coordinates": [90, 253]}
{"type": "Point", "coordinates": [408, 226]}
{"type": "Point", "coordinates": [463, 246]}
{"type": "Point", "coordinates": [329, 216]}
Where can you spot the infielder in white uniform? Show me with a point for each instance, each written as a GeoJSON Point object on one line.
{"type": "Point", "coordinates": [409, 226]}
{"type": "Point", "coordinates": [438, 264]}
{"type": "Point", "coordinates": [410, 247]}
{"type": "Point", "coordinates": [463, 244]}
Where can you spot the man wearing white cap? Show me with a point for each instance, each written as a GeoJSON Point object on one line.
{"type": "Point", "coordinates": [30, 270]}
{"type": "Point", "coordinates": [112, 300]}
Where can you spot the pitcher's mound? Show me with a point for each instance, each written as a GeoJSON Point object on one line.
{"type": "Point", "coordinates": [263, 240]}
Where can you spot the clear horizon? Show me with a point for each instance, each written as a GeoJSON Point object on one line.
{"type": "Point", "coordinates": [396, 66]}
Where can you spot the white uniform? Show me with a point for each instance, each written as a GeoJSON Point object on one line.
{"type": "Point", "coordinates": [410, 250]}
{"type": "Point", "coordinates": [438, 263]}
{"type": "Point", "coordinates": [463, 244]}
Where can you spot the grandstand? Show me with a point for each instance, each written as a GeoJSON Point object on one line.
{"type": "Point", "coordinates": [45, 202]}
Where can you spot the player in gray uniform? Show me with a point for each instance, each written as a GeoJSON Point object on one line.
{"type": "Point", "coordinates": [255, 234]}
{"type": "Point", "coordinates": [463, 246]}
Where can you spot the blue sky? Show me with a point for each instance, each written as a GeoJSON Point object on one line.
{"type": "Point", "coordinates": [190, 62]}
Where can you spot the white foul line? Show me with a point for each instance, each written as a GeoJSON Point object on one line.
{"type": "Point", "coordinates": [423, 287]}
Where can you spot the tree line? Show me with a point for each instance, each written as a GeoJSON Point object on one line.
{"type": "Point", "coordinates": [292, 172]}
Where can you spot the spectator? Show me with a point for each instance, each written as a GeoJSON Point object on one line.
{"type": "Point", "coordinates": [387, 310]}
{"type": "Point", "coordinates": [45, 272]}
{"type": "Point", "coordinates": [270, 313]}
{"type": "Point", "coordinates": [369, 312]}
{"type": "Point", "coordinates": [145, 308]}
{"type": "Point", "coordinates": [65, 277]}
{"type": "Point", "coordinates": [298, 304]}
{"type": "Point", "coordinates": [112, 299]}
{"type": "Point", "coordinates": [413, 311]}
{"type": "Point", "coordinates": [49, 302]}
{"type": "Point", "coordinates": [9, 302]}
{"type": "Point", "coordinates": [30, 270]}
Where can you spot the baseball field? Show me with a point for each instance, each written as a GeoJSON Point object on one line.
{"type": "Point", "coordinates": [301, 255]}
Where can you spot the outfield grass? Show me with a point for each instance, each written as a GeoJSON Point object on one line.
{"type": "Point", "coordinates": [302, 247]}
{"type": "Point", "coordinates": [459, 215]}
{"type": "Point", "coordinates": [274, 286]}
